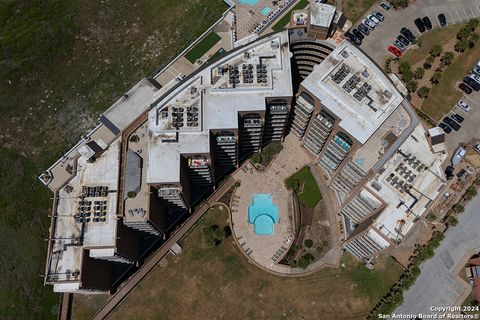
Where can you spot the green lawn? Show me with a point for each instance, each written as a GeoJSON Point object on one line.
{"type": "Point", "coordinates": [220, 52]}
{"type": "Point", "coordinates": [62, 63]}
{"type": "Point", "coordinates": [309, 194]}
{"type": "Point", "coordinates": [202, 47]}
{"type": "Point", "coordinates": [438, 36]}
{"type": "Point", "coordinates": [444, 96]}
{"type": "Point", "coordinates": [286, 18]}
{"type": "Point", "coordinates": [220, 283]}
{"type": "Point", "coordinates": [353, 9]}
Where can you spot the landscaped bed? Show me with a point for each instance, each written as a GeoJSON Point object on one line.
{"type": "Point", "coordinates": [202, 47]}
{"type": "Point", "coordinates": [304, 184]}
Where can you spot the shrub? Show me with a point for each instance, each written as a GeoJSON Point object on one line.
{"type": "Point", "coordinates": [461, 45]}
{"type": "Point", "coordinates": [452, 221]}
{"type": "Point", "coordinates": [212, 235]}
{"type": "Point", "coordinates": [308, 243]}
{"type": "Point", "coordinates": [292, 184]}
{"type": "Point", "coordinates": [423, 92]}
{"type": "Point", "coordinates": [388, 67]}
{"type": "Point", "coordinates": [134, 138]}
{"type": "Point", "coordinates": [418, 73]}
{"type": "Point", "coordinates": [304, 261]}
{"type": "Point", "coordinates": [431, 216]}
{"type": "Point", "coordinates": [412, 86]}
{"type": "Point", "coordinates": [256, 158]}
{"type": "Point", "coordinates": [473, 38]}
{"type": "Point", "coordinates": [405, 70]}
{"type": "Point", "coordinates": [435, 79]}
{"type": "Point", "coordinates": [436, 51]}
{"type": "Point", "coordinates": [458, 208]}
{"type": "Point", "coordinates": [399, 3]}
{"type": "Point", "coordinates": [131, 194]}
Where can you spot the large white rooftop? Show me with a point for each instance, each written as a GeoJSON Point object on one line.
{"type": "Point", "coordinates": [352, 87]}
{"type": "Point", "coordinates": [321, 14]}
{"type": "Point", "coordinates": [67, 257]}
{"type": "Point", "coordinates": [211, 99]}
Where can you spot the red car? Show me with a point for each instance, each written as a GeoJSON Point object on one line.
{"type": "Point", "coordinates": [395, 51]}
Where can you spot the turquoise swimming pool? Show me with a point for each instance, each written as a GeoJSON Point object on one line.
{"type": "Point", "coordinates": [249, 2]}
{"type": "Point", "coordinates": [263, 214]}
{"type": "Point", "coordinates": [265, 11]}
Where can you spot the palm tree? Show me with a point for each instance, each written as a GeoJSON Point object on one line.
{"type": "Point", "coordinates": [435, 79]}
{"type": "Point", "coordinates": [447, 58]}
{"type": "Point", "coordinates": [461, 45]}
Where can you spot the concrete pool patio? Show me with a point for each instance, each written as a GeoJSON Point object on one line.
{"type": "Point", "coordinates": [267, 250]}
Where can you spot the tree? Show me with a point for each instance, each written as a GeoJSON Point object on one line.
{"type": "Point", "coordinates": [452, 221]}
{"type": "Point", "coordinates": [461, 45]}
{"type": "Point", "coordinates": [308, 243]}
{"type": "Point", "coordinates": [472, 24]}
{"type": "Point", "coordinates": [430, 60]}
{"type": "Point", "coordinates": [447, 58]}
{"type": "Point", "coordinates": [423, 92]}
{"type": "Point", "coordinates": [399, 3]}
{"type": "Point", "coordinates": [419, 72]}
{"type": "Point", "coordinates": [436, 51]}
{"type": "Point", "coordinates": [431, 216]}
{"type": "Point", "coordinates": [292, 184]}
{"type": "Point", "coordinates": [405, 70]}
{"type": "Point", "coordinates": [256, 158]}
{"type": "Point", "coordinates": [458, 208]}
{"type": "Point", "coordinates": [388, 68]}
{"type": "Point", "coordinates": [435, 79]}
{"type": "Point", "coordinates": [212, 235]}
{"type": "Point", "coordinates": [473, 38]}
{"type": "Point", "coordinates": [412, 86]}
{"type": "Point", "coordinates": [304, 261]}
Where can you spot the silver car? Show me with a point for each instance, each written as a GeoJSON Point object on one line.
{"type": "Point", "coordinates": [374, 19]}
{"type": "Point", "coordinates": [369, 23]}
{"type": "Point", "coordinates": [399, 45]}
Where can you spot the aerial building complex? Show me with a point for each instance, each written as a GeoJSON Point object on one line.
{"type": "Point", "coordinates": [160, 150]}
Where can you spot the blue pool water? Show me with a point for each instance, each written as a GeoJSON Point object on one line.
{"type": "Point", "coordinates": [265, 11]}
{"type": "Point", "coordinates": [249, 2]}
{"type": "Point", "coordinates": [263, 214]}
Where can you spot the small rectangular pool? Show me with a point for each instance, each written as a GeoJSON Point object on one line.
{"type": "Point", "coordinates": [263, 214]}
{"type": "Point", "coordinates": [265, 11]}
{"type": "Point", "coordinates": [249, 2]}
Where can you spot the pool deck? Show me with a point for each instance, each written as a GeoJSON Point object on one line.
{"type": "Point", "coordinates": [266, 250]}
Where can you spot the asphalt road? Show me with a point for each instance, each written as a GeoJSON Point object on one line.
{"type": "Point", "coordinates": [376, 44]}
{"type": "Point", "coordinates": [436, 286]}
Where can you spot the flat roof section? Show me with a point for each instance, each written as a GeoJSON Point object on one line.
{"type": "Point", "coordinates": [74, 198]}
{"type": "Point", "coordinates": [321, 14]}
{"type": "Point", "coordinates": [351, 86]}
{"type": "Point", "coordinates": [211, 99]}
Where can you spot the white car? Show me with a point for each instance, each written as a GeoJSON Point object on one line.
{"type": "Point", "coordinates": [477, 148]}
{"type": "Point", "coordinates": [463, 105]}
{"type": "Point", "coordinates": [369, 23]}
{"type": "Point", "coordinates": [374, 19]}
{"type": "Point", "coordinates": [458, 156]}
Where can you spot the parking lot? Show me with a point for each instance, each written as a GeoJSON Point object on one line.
{"type": "Point", "coordinates": [376, 44]}
{"type": "Point", "coordinates": [470, 129]}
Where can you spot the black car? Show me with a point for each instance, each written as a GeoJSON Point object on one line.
{"type": "Point", "coordinates": [407, 34]}
{"type": "Point", "coordinates": [445, 128]}
{"type": "Point", "coordinates": [364, 29]}
{"type": "Point", "coordinates": [457, 117]}
{"type": "Point", "coordinates": [465, 88]}
{"type": "Point", "coordinates": [403, 40]}
{"type": "Point", "coordinates": [427, 23]}
{"type": "Point", "coordinates": [358, 34]}
{"type": "Point", "coordinates": [455, 126]}
{"type": "Point", "coordinates": [449, 171]}
{"type": "Point", "coordinates": [472, 83]}
{"type": "Point", "coordinates": [353, 38]}
{"type": "Point", "coordinates": [420, 25]}
{"type": "Point", "coordinates": [442, 20]}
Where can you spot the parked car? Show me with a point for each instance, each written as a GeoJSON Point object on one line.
{"type": "Point", "coordinates": [477, 148]}
{"type": "Point", "coordinates": [475, 77]}
{"type": "Point", "coordinates": [378, 15]}
{"type": "Point", "coordinates": [403, 40]}
{"type": "Point", "coordinates": [419, 23]}
{"type": "Point", "coordinates": [385, 5]}
{"type": "Point", "coordinates": [374, 19]}
{"type": "Point", "coordinates": [399, 45]}
{"type": "Point", "coordinates": [463, 105]}
{"type": "Point", "coordinates": [358, 34]}
{"type": "Point", "coordinates": [395, 51]}
{"type": "Point", "coordinates": [445, 128]}
{"type": "Point", "coordinates": [458, 156]}
{"type": "Point", "coordinates": [476, 70]}
{"type": "Point", "coordinates": [465, 88]}
{"type": "Point", "coordinates": [455, 126]}
{"type": "Point", "coordinates": [427, 23]}
{"type": "Point", "coordinates": [472, 83]}
{"type": "Point", "coordinates": [442, 20]}
{"type": "Point", "coordinates": [408, 34]}
{"type": "Point", "coordinates": [369, 23]}
{"type": "Point", "coordinates": [449, 171]}
{"type": "Point", "coordinates": [364, 29]}
{"type": "Point", "coordinates": [457, 117]}
{"type": "Point", "coordinates": [353, 38]}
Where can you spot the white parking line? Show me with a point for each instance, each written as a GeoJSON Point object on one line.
{"type": "Point", "coordinates": [471, 100]}
{"type": "Point", "coordinates": [459, 19]}
{"type": "Point", "coordinates": [473, 13]}
{"type": "Point", "coordinates": [451, 17]}
{"type": "Point", "coordinates": [465, 12]}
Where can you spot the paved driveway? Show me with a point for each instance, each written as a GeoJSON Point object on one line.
{"type": "Point", "coordinates": [436, 286]}
{"type": "Point", "coordinates": [376, 44]}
